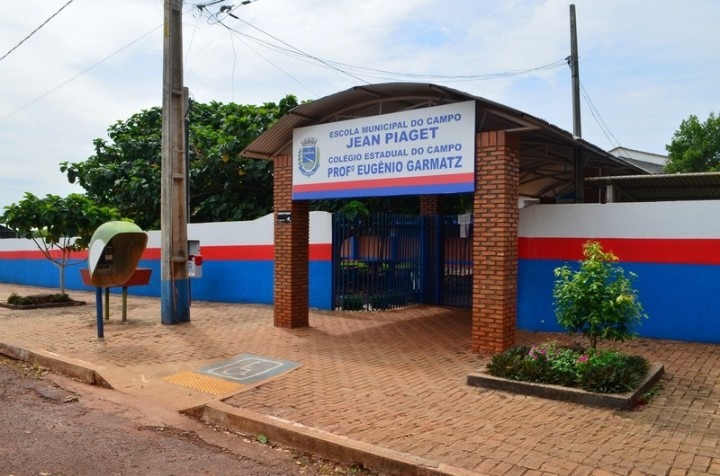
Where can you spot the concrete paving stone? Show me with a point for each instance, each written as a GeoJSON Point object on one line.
{"type": "Point", "coordinates": [714, 468]}
{"type": "Point", "coordinates": [602, 472]}
{"type": "Point", "coordinates": [486, 465]}
{"type": "Point", "coordinates": [559, 466]}
{"type": "Point", "coordinates": [582, 470]}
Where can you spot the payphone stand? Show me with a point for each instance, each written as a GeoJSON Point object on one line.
{"type": "Point", "coordinates": [114, 252]}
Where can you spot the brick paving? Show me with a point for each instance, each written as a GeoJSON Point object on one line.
{"type": "Point", "coordinates": [397, 380]}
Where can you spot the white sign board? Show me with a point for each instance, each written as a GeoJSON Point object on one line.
{"type": "Point", "coordinates": [423, 151]}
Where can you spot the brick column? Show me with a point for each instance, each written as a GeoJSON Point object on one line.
{"type": "Point", "coordinates": [429, 205]}
{"type": "Point", "coordinates": [432, 280]}
{"type": "Point", "coordinates": [495, 259]}
{"type": "Point", "coordinates": [291, 250]}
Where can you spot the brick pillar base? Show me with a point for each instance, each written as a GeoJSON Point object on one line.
{"type": "Point", "coordinates": [496, 218]}
{"type": "Point", "coordinates": [291, 251]}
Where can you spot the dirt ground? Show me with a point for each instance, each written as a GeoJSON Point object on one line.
{"type": "Point", "coordinates": [51, 425]}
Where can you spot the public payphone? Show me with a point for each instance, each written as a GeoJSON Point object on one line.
{"type": "Point", "coordinates": [114, 252]}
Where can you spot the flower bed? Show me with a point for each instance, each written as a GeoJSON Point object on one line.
{"type": "Point", "coordinates": [39, 301]}
{"type": "Point", "coordinates": [599, 377]}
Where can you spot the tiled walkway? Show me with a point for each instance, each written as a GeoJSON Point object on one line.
{"type": "Point", "coordinates": [397, 380]}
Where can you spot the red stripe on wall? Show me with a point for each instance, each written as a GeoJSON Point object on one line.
{"type": "Point", "coordinates": [639, 250]}
{"type": "Point", "coordinates": [317, 252]}
{"type": "Point", "coordinates": [37, 254]}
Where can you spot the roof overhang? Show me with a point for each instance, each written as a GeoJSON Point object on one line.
{"type": "Point", "coordinates": [547, 153]}
{"type": "Point", "coordinates": [663, 187]}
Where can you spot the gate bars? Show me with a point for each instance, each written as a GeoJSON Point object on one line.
{"type": "Point", "coordinates": [386, 261]}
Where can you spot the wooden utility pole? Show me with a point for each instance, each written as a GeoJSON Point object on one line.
{"type": "Point", "coordinates": [174, 285]}
{"type": "Point", "coordinates": [575, 68]}
{"type": "Point", "coordinates": [579, 161]}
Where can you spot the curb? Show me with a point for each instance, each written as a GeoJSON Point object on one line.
{"type": "Point", "coordinates": [288, 433]}
{"type": "Point", "coordinates": [74, 368]}
{"type": "Point", "coordinates": [320, 442]}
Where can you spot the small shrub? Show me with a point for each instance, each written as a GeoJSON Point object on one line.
{"type": "Point", "coordinates": [352, 303]}
{"type": "Point", "coordinates": [17, 300]}
{"type": "Point", "coordinates": [598, 300]}
{"type": "Point", "coordinates": [612, 372]}
{"type": "Point", "coordinates": [379, 302]}
{"type": "Point", "coordinates": [505, 365]}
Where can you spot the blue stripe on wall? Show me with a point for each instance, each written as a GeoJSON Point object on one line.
{"type": "Point", "coordinates": [223, 281]}
{"type": "Point", "coordinates": [680, 300]}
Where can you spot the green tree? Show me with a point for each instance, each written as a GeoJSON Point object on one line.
{"type": "Point", "coordinates": [58, 226]}
{"type": "Point", "coordinates": [125, 170]}
{"type": "Point", "coordinates": [695, 146]}
{"type": "Point", "coordinates": [598, 299]}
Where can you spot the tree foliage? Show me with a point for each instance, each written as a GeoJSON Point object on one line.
{"type": "Point", "coordinates": [58, 226]}
{"type": "Point", "coordinates": [695, 146]}
{"type": "Point", "coordinates": [598, 299]}
{"type": "Point", "coordinates": [125, 171]}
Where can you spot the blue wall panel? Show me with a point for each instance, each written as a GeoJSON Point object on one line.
{"type": "Point", "coordinates": [682, 301]}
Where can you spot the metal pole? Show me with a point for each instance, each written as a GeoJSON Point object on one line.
{"type": "Point", "coordinates": [107, 304]}
{"type": "Point", "coordinates": [99, 311]}
{"type": "Point", "coordinates": [124, 303]}
{"type": "Point", "coordinates": [174, 285]}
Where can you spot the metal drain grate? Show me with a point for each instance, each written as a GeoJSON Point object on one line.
{"type": "Point", "coordinates": [203, 383]}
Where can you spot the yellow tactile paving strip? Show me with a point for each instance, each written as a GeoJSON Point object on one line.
{"type": "Point", "coordinates": [203, 383]}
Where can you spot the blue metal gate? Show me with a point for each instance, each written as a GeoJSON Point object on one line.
{"type": "Point", "coordinates": [456, 258]}
{"type": "Point", "coordinates": [387, 261]}
{"type": "Point", "coordinates": [378, 261]}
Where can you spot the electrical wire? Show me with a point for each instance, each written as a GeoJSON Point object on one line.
{"type": "Point", "coordinates": [598, 118]}
{"type": "Point", "coordinates": [356, 71]}
{"type": "Point", "coordinates": [73, 78]}
{"type": "Point", "coordinates": [290, 47]}
{"type": "Point", "coordinates": [35, 30]}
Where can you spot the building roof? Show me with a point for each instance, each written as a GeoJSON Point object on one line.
{"type": "Point", "coordinates": [651, 163]}
{"type": "Point", "coordinates": [6, 232]}
{"type": "Point", "coordinates": [662, 187]}
{"type": "Point", "coordinates": [546, 152]}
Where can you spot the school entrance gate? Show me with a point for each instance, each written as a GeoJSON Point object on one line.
{"type": "Point", "coordinates": [389, 261]}
{"type": "Point", "coordinates": [427, 140]}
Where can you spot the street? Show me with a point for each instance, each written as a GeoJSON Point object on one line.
{"type": "Point", "coordinates": [51, 425]}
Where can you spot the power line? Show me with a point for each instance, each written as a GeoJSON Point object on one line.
{"type": "Point", "coordinates": [73, 78]}
{"type": "Point", "coordinates": [355, 71]}
{"type": "Point", "coordinates": [35, 30]}
{"type": "Point", "coordinates": [229, 12]}
{"type": "Point", "coordinates": [598, 118]}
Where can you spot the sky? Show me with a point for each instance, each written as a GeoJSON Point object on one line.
{"type": "Point", "coordinates": [645, 65]}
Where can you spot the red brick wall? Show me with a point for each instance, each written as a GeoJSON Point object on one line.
{"type": "Point", "coordinates": [291, 300]}
{"type": "Point", "coordinates": [429, 205]}
{"type": "Point", "coordinates": [496, 217]}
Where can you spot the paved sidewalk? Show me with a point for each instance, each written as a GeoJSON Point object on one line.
{"type": "Point", "coordinates": [392, 381]}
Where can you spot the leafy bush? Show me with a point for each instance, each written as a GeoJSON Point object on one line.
{"type": "Point", "coordinates": [598, 300]}
{"type": "Point", "coordinates": [379, 302]}
{"type": "Point", "coordinates": [613, 372]}
{"type": "Point", "coordinates": [594, 370]}
{"type": "Point", "coordinates": [18, 300]}
{"type": "Point", "coordinates": [352, 303]}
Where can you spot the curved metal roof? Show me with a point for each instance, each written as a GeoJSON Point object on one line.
{"type": "Point", "coordinates": [546, 151]}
